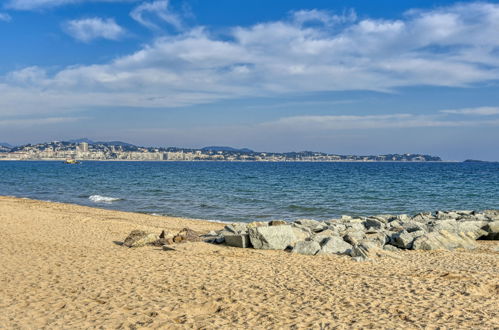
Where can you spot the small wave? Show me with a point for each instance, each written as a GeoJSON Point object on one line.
{"type": "Point", "coordinates": [103, 199]}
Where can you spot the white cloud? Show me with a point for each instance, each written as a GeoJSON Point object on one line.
{"type": "Point", "coordinates": [41, 4]}
{"type": "Point", "coordinates": [5, 17]}
{"type": "Point", "coordinates": [449, 46]}
{"type": "Point", "coordinates": [480, 111]}
{"type": "Point", "coordinates": [27, 122]}
{"type": "Point", "coordinates": [361, 122]}
{"type": "Point", "coordinates": [155, 8]}
{"type": "Point", "coordinates": [88, 29]}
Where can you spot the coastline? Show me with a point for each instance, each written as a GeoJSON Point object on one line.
{"type": "Point", "coordinates": [63, 267]}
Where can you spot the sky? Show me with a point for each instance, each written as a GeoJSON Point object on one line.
{"type": "Point", "coordinates": [338, 76]}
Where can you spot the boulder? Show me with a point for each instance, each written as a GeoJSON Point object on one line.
{"type": "Point", "coordinates": [491, 214]}
{"type": "Point", "coordinates": [378, 238]}
{"type": "Point", "coordinates": [373, 224]}
{"type": "Point", "coordinates": [422, 217]}
{"type": "Point", "coordinates": [448, 225]}
{"type": "Point", "coordinates": [492, 231]}
{"type": "Point", "coordinates": [187, 235]}
{"type": "Point", "coordinates": [391, 248]}
{"type": "Point", "coordinates": [272, 238]}
{"type": "Point", "coordinates": [240, 241]}
{"type": "Point", "coordinates": [237, 228]}
{"type": "Point", "coordinates": [443, 240]}
{"type": "Point", "coordinates": [277, 222]}
{"type": "Point", "coordinates": [313, 225]}
{"type": "Point", "coordinates": [321, 236]}
{"type": "Point", "coordinates": [359, 253]}
{"type": "Point", "coordinates": [404, 239]}
{"type": "Point", "coordinates": [301, 233]}
{"type": "Point", "coordinates": [353, 237]}
{"type": "Point", "coordinates": [139, 238]}
{"type": "Point", "coordinates": [306, 247]}
{"type": "Point", "coordinates": [335, 245]}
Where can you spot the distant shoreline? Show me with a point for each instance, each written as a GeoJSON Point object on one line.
{"type": "Point", "coordinates": [237, 161]}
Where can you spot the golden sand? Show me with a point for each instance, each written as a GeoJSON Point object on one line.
{"type": "Point", "coordinates": [61, 267]}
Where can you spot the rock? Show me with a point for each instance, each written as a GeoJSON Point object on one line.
{"type": "Point", "coordinates": [237, 228]}
{"type": "Point", "coordinates": [240, 241]}
{"type": "Point", "coordinates": [359, 253]}
{"type": "Point", "coordinates": [277, 223]}
{"type": "Point", "coordinates": [355, 226]}
{"type": "Point", "coordinates": [257, 224]}
{"type": "Point", "coordinates": [379, 238]}
{"type": "Point", "coordinates": [321, 236]}
{"type": "Point", "coordinates": [477, 228]}
{"type": "Point", "coordinates": [301, 233]}
{"type": "Point", "coordinates": [187, 235]}
{"type": "Point", "coordinates": [448, 225]}
{"type": "Point", "coordinates": [313, 225]}
{"type": "Point", "coordinates": [422, 217]}
{"type": "Point", "coordinates": [220, 240]}
{"type": "Point", "coordinates": [373, 224]}
{"type": "Point", "coordinates": [163, 239]}
{"type": "Point", "coordinates": [404, 239]}
{"type": "Point", "coordinates": [443, 240]}
{"type": "Point", "coordinates": [353, 237]}
{"type": "Point", "coordinates": [272, 238]}
{"type": "Point", "coordinates": [491, 214]}
{"type": "Point", "coordinates": [335, 245]}
{"type": "Point", "coordinates": [492, 231]}
{"type": "Point", "coordinates": [139, 238]}
{"type": "Point", "coordinates": [306, 247]}
{"type": "Point", "coordinates": [391, 248]}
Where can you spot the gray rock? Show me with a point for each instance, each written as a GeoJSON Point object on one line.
{"type": "Point", "coordinates": [272, 238]}
{"type": "Point", "coordinates": [359, 253]}
{"type": "Point", "coordinates": [391, 248]}
{"type": "Point", "coordinates": [373, 224]}
{"type": "Point", "coordinates": [492, 230]}
{"type": "Point", "coordinates": [237, 228]}
{"type": "Point", "coordinates": [378, 238]}
{"type": "Point", "coordinates": [240, 241]}
{"type": "Point", "coordinates": [353, 237]}
{"type": "Point", "coordinates": [443, 240]}
{"type": "Point", "coordinates": [422, 217]}
{"type": "Point", "coordinates": [491, 214]}
{"type": "Point", "coordinates": [306, 247]}
{"type": "Point", "coordinates": [277, 222]}
{"type": "Point", "coordinates": [335, 245]}
{"type": "Point", "coordinates": [301, 233]}
{"type": "Point", "coordinates": [477, 228]}
{"type": "Point", "coordinates": [220, 240]}
{"type": "Point", "coordinates": [359, 226]}
{"type": "Point", "coordinates": [448, 225]}
{"type": "Point", "coordinates": [404, 239]}
{"type": "Point", "coordinates": [321, 236]}
{"type": "Point", "coordinates": [139, 238]}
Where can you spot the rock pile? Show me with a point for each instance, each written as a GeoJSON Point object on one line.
{"type": "Point", "coordinates": [138, 238]}
{"type": "Point", "coordinates": [362, 236]}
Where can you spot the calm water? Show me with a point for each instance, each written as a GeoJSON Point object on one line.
{"type": "Point", "coordinates": [257, 191]}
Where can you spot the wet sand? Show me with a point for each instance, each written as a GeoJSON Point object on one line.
{"type": "Point", "coordinates": [61, 266]}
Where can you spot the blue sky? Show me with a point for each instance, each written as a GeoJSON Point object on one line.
{"type": "Point", "coordinates": [349, 77]}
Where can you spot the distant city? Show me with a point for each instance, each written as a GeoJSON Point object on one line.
{"type": "Point", "coordinates": [84, 149]}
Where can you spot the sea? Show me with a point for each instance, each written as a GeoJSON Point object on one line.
{"type": "Point", "coordinates": [257, 191]}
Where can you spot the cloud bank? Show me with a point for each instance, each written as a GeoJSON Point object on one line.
{"type": "Point", "coordinates": [311, 51]}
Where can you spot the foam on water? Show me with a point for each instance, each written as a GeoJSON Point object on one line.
{"type": "Point", "coordinates": [103, 199]}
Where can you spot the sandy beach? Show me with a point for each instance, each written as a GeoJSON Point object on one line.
{"type": "Point", "coordinates": [62, 267]}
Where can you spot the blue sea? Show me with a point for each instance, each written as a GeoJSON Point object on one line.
{"type": "Point", "coordinates": [256, 191]}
